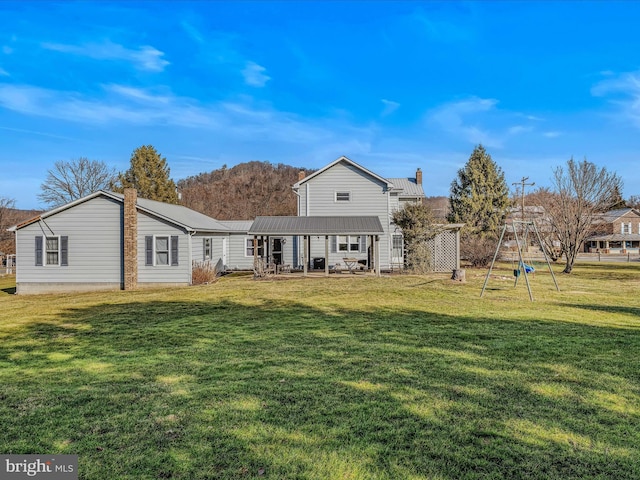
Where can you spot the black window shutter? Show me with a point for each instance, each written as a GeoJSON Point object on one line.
{"type": "Point", "coordinates": [64, 251]}
{"type": "Point", "coordinates": [38, 250]}
{"type": "Point", "coordinates": [148, 250]}
{"type": "Point", "coordinates": [174, 250]}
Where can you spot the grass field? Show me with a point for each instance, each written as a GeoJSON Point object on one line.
{"type": "Point", "coordinates": [349, 377]}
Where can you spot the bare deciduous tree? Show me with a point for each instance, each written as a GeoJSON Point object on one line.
{"type": "Point", "coordinates": [70, 180]}
{"type": "Point", "coordinates": [634, 202]}
{"type": "Point", "coordinates": [7, 218]}
{"type": "Point", "coordinates": [581, 191]}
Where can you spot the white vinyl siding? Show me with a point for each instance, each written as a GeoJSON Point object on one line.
{"type": "Point", "coordinates": [157, 270]}
{"type": "Point", "coordinates": [93, 230]}
{"type": "Point", "coordinates": [368, 197]}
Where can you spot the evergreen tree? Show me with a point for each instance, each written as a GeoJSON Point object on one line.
{"type": "Point", "coordinates": [418, 226]}
{"type": "Point", "coordinates": [149, 175]}
{"type": "Point", "coordinates": [479, 195]}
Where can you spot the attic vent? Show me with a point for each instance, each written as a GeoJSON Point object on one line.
{"type": "Point", "coordinates": [343, 196]}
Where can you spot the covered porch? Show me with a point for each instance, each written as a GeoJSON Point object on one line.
{"type": "Point", "coordinates": [366, 229]}
{"type": "Point", "coordinates": [613, 243]}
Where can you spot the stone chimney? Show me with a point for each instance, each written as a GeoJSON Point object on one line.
{"type": "Point", "coordinates": [301, 175]}
{"type": "Point", "coordinates": [130, 239]}
{"type": "Point", "coordinates": [419, 176]}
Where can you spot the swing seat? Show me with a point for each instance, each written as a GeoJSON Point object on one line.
{"type": "Point", "coordinates": [527, 268]}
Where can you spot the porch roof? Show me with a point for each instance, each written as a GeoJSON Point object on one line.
{"type": "Point", "coordinates": [616, 237]}
{"type": "Point", "coordinates": [316, 226]}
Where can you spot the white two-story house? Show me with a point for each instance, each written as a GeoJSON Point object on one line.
{"type": "Point", "coordinates": [344, 188]}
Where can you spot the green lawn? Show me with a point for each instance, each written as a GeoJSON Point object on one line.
{"type": "Point", "coordinates": [349, 377]}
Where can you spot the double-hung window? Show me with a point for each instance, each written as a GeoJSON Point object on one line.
{"type": "Point", "coordinates": [51, 250]}
{"type": "Point", "coordinates": [206, 249]}
{"type": "Point", "coordinates": [349, 243]}
{"type": "Point", "coordinates": [161, 250]}
{"type": "Point", "coordinates": [249, 250]}
{"type": "Point", "coordinates": [625, 227]}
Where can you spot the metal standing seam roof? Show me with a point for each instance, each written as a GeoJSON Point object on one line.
{"type": "Point", "coordinates": [316, 226]}
{"type": "Point", "coordinates": [409, 187]}
{"type": "Point", "coordinates": [179, 214]}
{"type": "Point", "coordinates": [236, 226]}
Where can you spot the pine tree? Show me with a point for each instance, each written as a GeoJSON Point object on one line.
{"type": "Point", "coordinates": [149, 175]}
{"type": "Point", "coordinates": [479, 195]}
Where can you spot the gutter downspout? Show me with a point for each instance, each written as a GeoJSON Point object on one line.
{"type": "Point", "coordinates": [191, 234]}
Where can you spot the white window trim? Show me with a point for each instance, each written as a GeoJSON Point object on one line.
{"type": "Point", "coordinates": [155, 251]}
{"type": "Point", "coordinates": [208, 240]}
{"type": "Point", "coordinates": [335, 196]}
{"type": "Point", "coordinates": [349, 243]}
{"type": "Point", "coordinates": [45, 250]}
{"type": "Point", "coordinates": [246, 246]}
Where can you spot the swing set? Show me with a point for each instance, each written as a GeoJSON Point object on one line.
{"type": "Point", "coordinates": [523, 268]}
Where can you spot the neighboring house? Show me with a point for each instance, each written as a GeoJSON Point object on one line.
{"type": "Point", "coordinates": [112, 241]}
{"type": "Point", "coordinates": [616, 231]}
{"type": "Point", "coordinates": [344, 188]}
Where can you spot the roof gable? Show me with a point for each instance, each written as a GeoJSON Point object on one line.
{"type": "Point", "coordinates": [177, 214]}
{"type": "Point", "coordinates": [613, 215]}
{"type": "Point", "coordinates": [346, 160]}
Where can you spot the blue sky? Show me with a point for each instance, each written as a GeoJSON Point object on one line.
{"type": "Point", "coordinates": [391, 85]}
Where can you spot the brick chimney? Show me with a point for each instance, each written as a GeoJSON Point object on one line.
{"type": "Point", "coordinates": [301, 175]}
{"type": "Point", "coordinates": [419, 176]}
{"type": "Point", "coordinates": [130, 239]}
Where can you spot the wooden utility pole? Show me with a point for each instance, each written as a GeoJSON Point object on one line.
{"type": "Point", "coordinates": [522, 184]}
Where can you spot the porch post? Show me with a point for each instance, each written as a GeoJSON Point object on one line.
{"type": "Point", "coordinates": [326, 255]}
{"type": "Point", "coordinates": [305, 257]}
{"type": "Point", "coordinates": [378, 254]}
{"type": "Point", "coordinates": [374, 264]}
{"type": "Point", "coordinates": [255, 251]}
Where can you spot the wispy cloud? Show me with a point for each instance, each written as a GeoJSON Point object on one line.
{"type": "Point", "coordinates": [121, 105]}
{"type": "Point", "coordinates": [143, 58]}
{"type": "Point", "coordinates": [624, 90]}
{"type": "Point", "coordinates": [192, 32]}
{"type": "Point", "coordinates": [389, 107]}
{"type": "Point", "coordinates": [138, 94]}
{"type": "Point", "coordinates": [442, 30]}
{"type": "Point", "coordinates": [254, 75]}
{"type": "Point", "coordinates": [36, 132]}
{"type": "Point", "coordinates": [455, 118]}
{"type": "Point", "coordinates": [552, 134]}
{"type": "Point", "coordinates": [3, 72]}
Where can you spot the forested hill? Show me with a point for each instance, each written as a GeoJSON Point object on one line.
{"type": "Point", "coordinates": [243, 192]}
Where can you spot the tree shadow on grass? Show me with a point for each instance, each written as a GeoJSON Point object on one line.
{"type": "Point", "coordinates": [223, 390]}
{"type": "Point", "coordinates": [626, 310]}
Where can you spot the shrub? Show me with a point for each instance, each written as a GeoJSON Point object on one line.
{"type": "Point", "coordinates": [203, 273]}
{"type": "Point", "coordinates": [478, 250]}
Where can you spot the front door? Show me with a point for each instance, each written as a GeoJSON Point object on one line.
{"type": "Point", "coordinates": [224, 252]}
{"type": "Point", "coordinates": [276, 250]}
